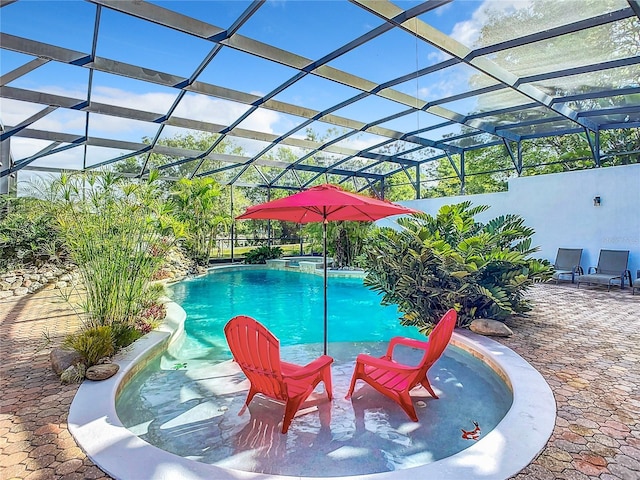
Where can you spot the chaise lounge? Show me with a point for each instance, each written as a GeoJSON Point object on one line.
{"type": "Point", "coordinates": [612, 267]}
{"type": "Point", "coordinates": [567, 263]}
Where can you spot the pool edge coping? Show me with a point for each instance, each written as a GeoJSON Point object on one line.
{"type": "Point", "coordinates": [94, 423]}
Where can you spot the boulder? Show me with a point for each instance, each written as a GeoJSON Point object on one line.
{"type": "Point", "coordinates": [18, 292]}
{"type": "Point", "coordinates": [61, 359]}
{"type": "Point", "coordinates": [102, 372]}
{"type": "Point", "coordinates": [494, 328]}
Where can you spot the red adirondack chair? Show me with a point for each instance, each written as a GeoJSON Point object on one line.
{"type": "Point", "coordinates": [396, 380]}
{"type": "Point", "coordinates": [257, 352]}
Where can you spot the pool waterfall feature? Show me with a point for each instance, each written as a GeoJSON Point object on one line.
{"type": "Point", "coordinates": [515, 441]}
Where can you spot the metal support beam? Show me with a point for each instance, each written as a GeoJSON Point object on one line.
{"type": "Point", "coordinates": [269, 221]}
{"type": "Point", "coordinates": [233, 222]}
{"type": "Point", "coordinates": [594, 146]}
{"type": "Point", "coordinates": [519, 157]}
{"type": "Point", "coordinates": [5, 165]}
{"type": "Point", "coordinates": [635, 6]}
{"type": "Point", "coordinates": [462, 175]}
{"type": "Point", "coordinates": [516, 164]}
{"type": "Point", "coordinates": [455, 167]}
{"type": "Point", "coordinates": [597, 156]}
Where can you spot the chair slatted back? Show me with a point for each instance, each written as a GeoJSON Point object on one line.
{"type": "Point", "coordinates": [439, 338]}
{"type": "Point", "coordinates": [257, 352]}
{"type": "Point", "coordinates": [613, 262]}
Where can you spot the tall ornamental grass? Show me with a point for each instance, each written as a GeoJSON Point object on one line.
{"type": "Point", "coordinates": [113, 230]}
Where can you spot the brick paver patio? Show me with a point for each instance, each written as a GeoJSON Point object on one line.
{"type": "Point", "coordinates": [584, 342]}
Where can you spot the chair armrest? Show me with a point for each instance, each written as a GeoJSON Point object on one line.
{"type": "Point", "coordinates": [407, 342]}
{"type": "Point", "coordinates": [577, 270]}
{"type": "Point", "coordinates": [592, 270]}
{"type": "Point", "coordinates": [309, 369]}
{"type": "Point", "coordinates": [383, 363]}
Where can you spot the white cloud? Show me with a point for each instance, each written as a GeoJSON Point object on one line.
{"type": "Point", "coordinates": [224, 112]}
{"type": "Point", "coordinates": [157, 102]}
{"type": "Point", "coordinates": [15, 112]}
{"type": "Point", "coordinates": [359, 142]}
{"type": "Point", "coordinates": [194, 106]}
{"type": "Point", "coordinates": [467, 32]}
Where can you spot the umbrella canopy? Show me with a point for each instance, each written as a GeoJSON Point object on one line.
{"type": "Point", "coordinates": [325, 203]}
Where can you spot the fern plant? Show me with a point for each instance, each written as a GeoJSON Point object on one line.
{"type": "Point", "coordinates": [453, 261]}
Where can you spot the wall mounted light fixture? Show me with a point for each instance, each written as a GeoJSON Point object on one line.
{"type": "Point", "coordinates": [596, 201]}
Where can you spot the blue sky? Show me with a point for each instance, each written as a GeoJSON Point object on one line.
{"type": "Point", "coordinates": [283, 24]}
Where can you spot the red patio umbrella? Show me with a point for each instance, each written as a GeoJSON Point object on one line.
{"type": "Point", "coordinates": [325, 203]}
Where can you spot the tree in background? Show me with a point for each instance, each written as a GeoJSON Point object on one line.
{"type": "Point", "coordinates": [196, 204]}
{"type": "Point", "coordinates": [488, 169]}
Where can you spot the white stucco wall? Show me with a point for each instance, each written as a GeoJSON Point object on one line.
{"type": "Point", "coordinates": [560, 209]}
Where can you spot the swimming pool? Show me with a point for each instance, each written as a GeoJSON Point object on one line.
{"type": "Point", "coordinates": [186, 400]}
{"type": "Point", "coordinates": [97, 428]}
{"type": "Point", "coordinates": [288, 303]}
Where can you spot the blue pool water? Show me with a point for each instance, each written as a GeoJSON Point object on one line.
{"type": "Point", "coordinates": [187, 400]}
{"type": "Point", "coordinates": [288, 303]}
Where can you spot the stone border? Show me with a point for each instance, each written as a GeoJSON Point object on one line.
{"type": "Point", "coordinates": [503, 452]}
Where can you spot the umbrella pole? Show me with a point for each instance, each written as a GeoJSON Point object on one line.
{"type": "Point", "coordinates": [324, 247]}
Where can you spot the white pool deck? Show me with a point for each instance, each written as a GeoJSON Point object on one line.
{"type": "Point", "coordinates": [501, 453]}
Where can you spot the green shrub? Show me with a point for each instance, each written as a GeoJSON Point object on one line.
{"type": "Point", "coordinates": [124, 335]}
{"type": "Point", "coordinates": [27, 233]}
{"type": "Point", "coordinates": [451, 261]}
{"type": "Point", "coordinates": [93, 344]}
{"type": "Point", "coordinates": [262, 254]}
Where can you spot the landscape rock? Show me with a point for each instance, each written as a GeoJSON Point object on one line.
{"type": "Point", "coordinates": [35, 286]}
{"type": "Point", "coordinates": [61, 359]}
{"type": "Point", "coordinates": [102, 371]}
{"type": "Point", "coordinates": [494, 328]}
{"type": "Point", "coordinates": [32, 279]}
{"type": "Point", "coordinates": [73, 374]}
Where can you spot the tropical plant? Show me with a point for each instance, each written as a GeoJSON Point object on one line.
{"type": "Point", "coordinates": [196, 206]}
{"type": "Point", "coordinates": [262, 254]}
{"type": "Point", "coordinates": [453, 261]}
